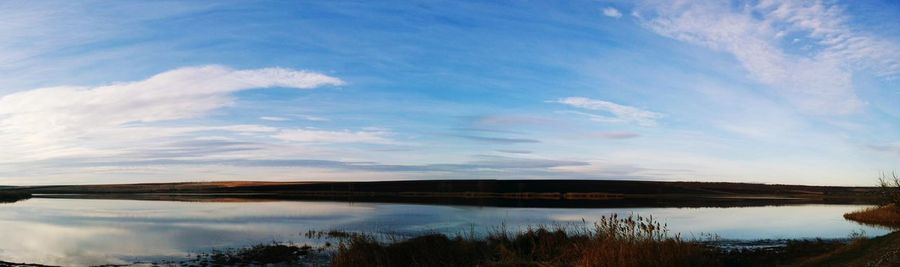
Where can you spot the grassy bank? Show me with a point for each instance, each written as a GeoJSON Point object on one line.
{"type": "Point", "coordinates": [613, 241]}
{"type": "Point", "coordinates": [543, 247]}
{"type": "Point", "coordinates": [879, 251]}
{"type": "Point", "coordinates": [887, 215]}
{"type": "Point", "coordinates": [538, 247]}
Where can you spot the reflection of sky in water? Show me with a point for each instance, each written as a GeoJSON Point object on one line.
{"type": "Point", "coordinates": [84, 232]}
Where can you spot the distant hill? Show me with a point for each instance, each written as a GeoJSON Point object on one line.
{"type": "Point", "coordinates": [495, 186]}
{"type": "Point", "coordinates": [483, 192]}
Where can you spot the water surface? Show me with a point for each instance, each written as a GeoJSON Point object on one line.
{"type": "Point", "coordinates": [90, 232]}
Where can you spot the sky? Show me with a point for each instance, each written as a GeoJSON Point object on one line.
{"type": "Point", "coordinates": [788, 92]}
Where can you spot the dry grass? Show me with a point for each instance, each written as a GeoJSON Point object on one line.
{"type": "Point", "coordinates": [878, 251]}
{"type": "Point", "coordinates": [888, 215]}
{"type": "Point", "coordinates": [613, 241]}
{"type": "Point", "coordinates": [795, 253]}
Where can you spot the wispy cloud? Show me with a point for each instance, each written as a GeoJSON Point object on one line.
{"type": "Point", "coordinates": [818, 80]}
{"type": "Point", "coordinates": [72, 120]}
{"type": "Point", "coordinates": [500, 162]}
{"type": "Point", "coordinates": [612, 12]}
{"type": "Point", "coordinates": [293, 117]}
{"type": "Point", "coordinates": [195, 148]}
{"type": "Point", "coordinates": [499, 140]}
{"type": "Point", "coordinates": [497, 122]}
{"type": "Point", "coordinates": [481, 162]}
{"type": "Point", "coordinates": [514, 151]}
{"type": "Point", "coordinates": [615, 112]}
{"type": "Point", "coordinates": [240, 128]}
{"type": "Point", "coordinates": [268, 118]}
{"type": "Point", "coordinates": [312, 118]}
{"type": "Point", "coordinates": [323, 136]}
{"type": "Point", "coordinates": [614, 135]}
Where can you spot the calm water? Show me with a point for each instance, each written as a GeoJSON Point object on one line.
{"type": "Point", "coordinates": [87, 232]}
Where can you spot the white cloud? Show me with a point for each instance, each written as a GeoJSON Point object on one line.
{"type": "Point", "coordinates": [614, 135]}
{"type": "Point", "coordinates": [323, 136]}
{"type": "Point", "coordinates": [267, 118]}
{"type": "Point", "coordinates": [612, 12]}
{"type": "Point", "coordinates": [291, 117]}
{"type": "Point", "coordinates": [312, 118]}
{"type": "Point", "coordinates": [71, 121]}
{"type": "Point", "coordinates": [617, 112]}
{"type": "Point", "coordinates": [818, 81]}
{"type": "Point", "coordinates": [244, 128]}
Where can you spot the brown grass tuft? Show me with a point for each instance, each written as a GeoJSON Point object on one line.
{"type": "Point", "coordinates": [888, 215]}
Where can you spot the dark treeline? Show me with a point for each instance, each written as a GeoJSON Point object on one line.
{"type": "Point", "coordinates": [13, 196]}
{"type": "Point", "coordinates": [459, 186]}
{"type": "Point", "coordinates": [503, 193]}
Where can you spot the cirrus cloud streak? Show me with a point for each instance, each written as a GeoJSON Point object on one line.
{"type": "Point", "coordinates": [70, 121]}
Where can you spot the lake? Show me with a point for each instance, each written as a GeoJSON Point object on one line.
{"type": "Point", "coordinates": [90, 232]}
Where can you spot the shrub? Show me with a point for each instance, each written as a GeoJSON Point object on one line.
{"type": "Point", "coordinates": [890, 189]}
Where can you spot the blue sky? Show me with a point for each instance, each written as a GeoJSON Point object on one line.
{"type": "Point", "coordinates": [801, 92]}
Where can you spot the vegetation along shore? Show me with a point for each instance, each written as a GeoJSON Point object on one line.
{"type": "Point", "coordinates": [612, 241]}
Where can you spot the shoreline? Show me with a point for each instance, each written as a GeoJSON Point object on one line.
{"type": "Point", "coordinates": [301, 254]}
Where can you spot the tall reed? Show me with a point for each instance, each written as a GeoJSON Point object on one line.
{"type": "Point", "coordinates": [888, 215]}
{"type": "Point", "coordinates": [611, 241]}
